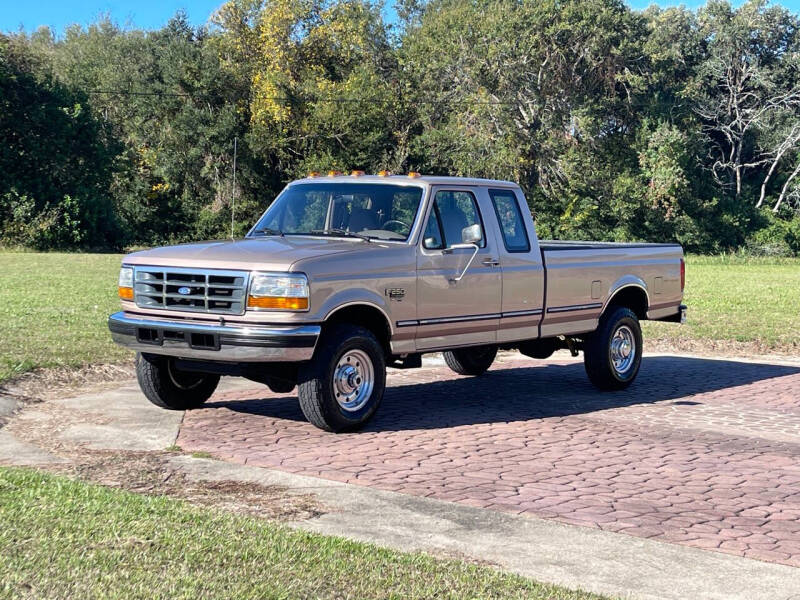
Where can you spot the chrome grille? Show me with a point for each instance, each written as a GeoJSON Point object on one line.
{"type": "Point", "coordinates": [192, 290]}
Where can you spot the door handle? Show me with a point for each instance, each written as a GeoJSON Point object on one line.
{"type": "Point", "coordinates": [491, 262]}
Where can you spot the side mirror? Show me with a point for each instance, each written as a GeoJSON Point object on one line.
{"type": "Point", "coordinates": [471, 234]}
{"type": "Point", "coordinates": [471, 237]}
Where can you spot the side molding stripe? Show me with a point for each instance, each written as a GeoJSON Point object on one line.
{"type": "Point", "coordinates": [560, 309]}
{"type": "Point", "coordinates": [441, 320]}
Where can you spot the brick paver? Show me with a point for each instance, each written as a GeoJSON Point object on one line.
{"type": "Point", "coordinates": [698, 452]}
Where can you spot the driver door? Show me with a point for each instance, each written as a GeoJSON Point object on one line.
{"type": "Point", "coordinates": [451, 312]}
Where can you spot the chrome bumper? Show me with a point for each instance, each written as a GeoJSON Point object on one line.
{"type": "Point", "coordinates": [292, 343]}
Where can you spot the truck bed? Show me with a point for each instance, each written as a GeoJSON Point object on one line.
{"type": "Point", "coordinates": [582, 276]}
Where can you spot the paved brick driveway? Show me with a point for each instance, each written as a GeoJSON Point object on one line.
{"type": "Point", "coordinates": [698, 452]}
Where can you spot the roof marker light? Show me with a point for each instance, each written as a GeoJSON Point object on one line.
{"type": "Point", "coordinates": [414, 174]}
{"type": "Point", "coordinates": [384, 173]}
{"type": "Point", "coordinates": [357, 173]}
{"type": "Point", "coordinates": [334, 173]}
{"type": "Point", "coordinates": [313, 174]}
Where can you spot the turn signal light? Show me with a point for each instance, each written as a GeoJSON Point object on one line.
{"type": "Point", "coordinates": [414, 174]}
{"type": "Point", "coordinates": [277, 302]}
{"type": "Point", "coordinates": [126, 293]}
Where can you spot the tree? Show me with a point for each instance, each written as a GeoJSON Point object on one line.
{"type": "Point", "coordinates": [744, 81]}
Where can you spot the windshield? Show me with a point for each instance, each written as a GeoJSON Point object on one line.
{"type": "Point", "coordinates": [380, 211]}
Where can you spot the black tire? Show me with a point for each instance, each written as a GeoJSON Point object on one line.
{"type": "Point", "coordinates": [167, 387]}
{"type": "Point", "coordinates": [324, 383]}
{"type": "Point", "coordinates": [280, 386]}
{"type": "Point", "coordinates": [471, 361]}
{"type": "Point", "coordinates": [599, 350]}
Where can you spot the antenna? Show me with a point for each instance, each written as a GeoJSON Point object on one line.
{"type": "Point", "coordinates": [233, 193]}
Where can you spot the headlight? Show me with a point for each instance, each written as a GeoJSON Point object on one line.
{"type": "Point", "coordinates": [286, 291]}
{"type": "Point", "coordinates": [126, 283]}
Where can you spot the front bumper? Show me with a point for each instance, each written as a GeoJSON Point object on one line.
{"type": "Point", "coordinates": [226, 343]}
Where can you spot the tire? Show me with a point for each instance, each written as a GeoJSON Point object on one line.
{"type": "Point", "coordinates": [169, 388]}
{"type": "Point", "coordinates": [607, 364]}
{"type": "Point", "coordinates": [342, 386]}
{"type": "Point", "coordinates": [471, 361]}
{"type": "Point", "coordinates": [280, 386]}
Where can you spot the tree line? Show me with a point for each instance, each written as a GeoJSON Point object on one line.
{"type": "Point", "coordinates": [656, 125]}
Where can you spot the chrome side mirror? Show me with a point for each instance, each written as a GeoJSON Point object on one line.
{"type": "Point", "coordinates": [471, 234]}
{"type": "Point", "coordinates": [470, 237]}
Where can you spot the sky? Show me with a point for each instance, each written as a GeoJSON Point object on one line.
{"type": "Point", "coordinates": [151, 14]}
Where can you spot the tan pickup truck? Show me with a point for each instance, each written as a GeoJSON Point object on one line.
{"type": "Point", "coordinates": [344, 276]}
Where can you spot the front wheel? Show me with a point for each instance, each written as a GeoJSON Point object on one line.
{"type": "Point", "coordinates": [168, 387]}
{"type": "Point", "coordinates": [613, 353]}
{"type": "Point", "coordinates": [341, 387]}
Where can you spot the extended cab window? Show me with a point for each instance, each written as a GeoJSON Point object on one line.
{"type": "Point", "coordinates": [452, 212]}
{"type": "Point", "coordinates": [515, 237]}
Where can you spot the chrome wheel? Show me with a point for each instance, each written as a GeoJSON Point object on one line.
{"type": "Point", "coordinates": [623, 349]}
{"type": "Point", "coordinates": [353, 380]}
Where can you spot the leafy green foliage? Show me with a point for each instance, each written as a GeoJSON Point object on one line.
{"type": "Point", "coordinates": [664, 124]}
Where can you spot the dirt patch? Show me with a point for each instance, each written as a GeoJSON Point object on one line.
{"type": "Point", "coordinates": [58, 382]}
{"type": "Point", "coordinates": [151, 473]}
{"type": "Point", "coordinates": [719, 348]}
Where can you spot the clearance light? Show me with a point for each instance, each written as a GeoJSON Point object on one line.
{"type": "Point", "coordinates": [278, 291]}
{"type": "Point", "coordinates": [334, 173]}
{"type": "Point", "coordinates": [414, 174]}
{"type": "Point", "coordinates": [125, 286]}
{"type": "Point", "coordinates": [384, 173]}
{"type": "Point", "coordinates": [357, 173]}
{"type": "Point", "coordinates": [313, 174]}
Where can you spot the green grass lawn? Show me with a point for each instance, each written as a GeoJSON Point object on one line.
{"type": "Point", "coordinates": [740, 299]}
{"type": "Point", "coordinates": [53, 310]}
{"type": "Point", "coordinates": [66, 539]}
{"type": "Point", "coordinates": [53, 307]}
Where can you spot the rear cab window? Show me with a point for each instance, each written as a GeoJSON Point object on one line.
{"type": "Point", "coordinates": [509, 217]}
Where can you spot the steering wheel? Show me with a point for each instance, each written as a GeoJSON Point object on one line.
{"type": "Point", "coordinates": [405, 226]}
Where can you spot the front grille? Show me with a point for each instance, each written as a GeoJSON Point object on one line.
{"type": "Point", "coordinates": [192, 290]}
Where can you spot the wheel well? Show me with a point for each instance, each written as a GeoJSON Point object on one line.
{"type": "Point", "coordinates": [365, 316]}
{"type": "Point", "coordinates": [632, 297]}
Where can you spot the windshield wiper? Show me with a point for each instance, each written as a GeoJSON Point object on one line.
{"type": "Point", "coordinates": [342, 233]}
{"type": "Point", "coordinates": [268, 231]}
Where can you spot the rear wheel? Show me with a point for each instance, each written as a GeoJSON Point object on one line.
{"type": "Point", "coordinates": [342, 386]}
{"type": "Point", "coordinates": [168, 387]}
{"type": "Point", "coordinates": [613, 353]}
{"type": "Point", "coordinates": [471, 361]}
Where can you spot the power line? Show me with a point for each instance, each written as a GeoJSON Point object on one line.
{"type": "Point", "coordinates": [332, 100]}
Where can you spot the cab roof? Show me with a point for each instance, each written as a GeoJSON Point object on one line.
{"type": "Point", "coordinates": [425, 180]}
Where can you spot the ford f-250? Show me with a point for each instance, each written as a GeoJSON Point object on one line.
{"type": "Point", "coordinates": [344, 276]}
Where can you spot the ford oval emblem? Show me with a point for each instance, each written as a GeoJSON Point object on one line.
{"type": "Point", "coordinates": [184, 291]}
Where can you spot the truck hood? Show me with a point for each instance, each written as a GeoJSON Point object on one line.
{"type": "Point", "coordinates": [250, 254]}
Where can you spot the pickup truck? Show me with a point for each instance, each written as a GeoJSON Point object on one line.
{"type": "Point", "coordinates": [346, 275]}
